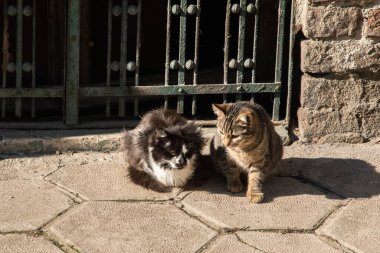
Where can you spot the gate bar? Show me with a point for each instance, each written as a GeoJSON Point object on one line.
{"type": "Point", "coordinates": [109, 52]}
{"type": "Point", "coordinates": [241, 42]}
{"type": "Point", "coordinates": [196, 56]}
{"type": "Point", "coordinates": [138, 45]}
{"type": "Point", "coordinates": [33, 112]}
{"type": "Point", "coordinates": [167, 57]}
{"type": "Point", "coordinates": [182, 53]}
{"type": "Point", "coordinates": [18, 104]}
{"type": "Point", "coordinates": [279, 56]}
{"type": "Point", "coordinates": [5, 56]}
{"type": "Point", "coordinates": [226, 46]}
{"type": "Point", "coordinates": [123, 54]}
{"type": "Point", "coordinates": [72, 72]}
{"type": "Point", "coordinates": [255, 41]}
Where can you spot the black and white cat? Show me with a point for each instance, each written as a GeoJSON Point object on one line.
{"type": "Point", "coordinates": [163, 150]}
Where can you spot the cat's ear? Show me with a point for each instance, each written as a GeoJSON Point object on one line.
{"type": "Point", "coordinates": [245, 118]}
{"type": "Point", "coordinates": [161, 133]}
{"type": "Point", "coordinates": [220, 109]}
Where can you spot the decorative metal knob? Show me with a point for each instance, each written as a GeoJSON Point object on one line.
{"type": "Point", "coordinates": [248, 63]}
{"type": "Point", "coordinates": [27, 66]}
{"type": "Point", "coordinates": [116, 10]}
{"type": "Point", "coordinates": [176, 9]}
{"type": "Point", "coordinates": [251, 8]}
{"type": "Point", "coordinates": [132, 10]}
{"type": "Point", "coordinates": [235, 8]}
{"type": "Point", "coordinates": [192, 9]}
{"type": "Point", "coordinates": [174, 64]}
{"type": "Point", "coordinates": [27, 11]}
{"type": "Point", "coordinates": [131, 66]}
{"type": "Point", "coordinates": [189, 64]}
{"type": "Point", "coordinates": [12, 10]}
{"type": "Point", "coordinates": [240, 88]}
{"type": "Point", "coordinates": [11, 67]}
{"type": "Point", "coordinates": [232, 64]}
{"type": "Point", "coordinates": [115, 66]}
{"type": "Point", "coordinates": [180, 90]}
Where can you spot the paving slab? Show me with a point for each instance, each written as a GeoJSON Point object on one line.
{"type": "Point", "coordinates": [352, 171]}
{"type": "Point", "coordinates": [230, 244]}
{"type": "Point", "coordinates": [293, 242]}
{"type": "Point", "coordinates": [356, 226]}
{"type": "Point", "coordinates": [286, 201]}
{"type": "Point", "coordinates": [129, 227]}
{"type": "Point", "coordinates": [97, 176]}
{"type": "Point", "coordinates": [27, 167]}
{"type": "Point", "coordinates": [28, 204]}
{"type": "Point", "coordinates": [22, 243]}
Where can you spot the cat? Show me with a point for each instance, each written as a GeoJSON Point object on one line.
{"type": "Point", "coordinates": [246, 142]}
{"type": "Point", "coordinates": [163, 150]}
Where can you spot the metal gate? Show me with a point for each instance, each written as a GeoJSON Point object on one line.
{"type": "Point", "coordinates": [81, 63]}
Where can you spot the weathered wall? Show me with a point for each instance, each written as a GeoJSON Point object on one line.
{"type": "Point", "coordinates": [340, 61]}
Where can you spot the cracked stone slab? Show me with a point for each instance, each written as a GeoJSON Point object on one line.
{"type": "Point", "coordinates": [29, 204]}
{"type": "Point", "coordinates": [285, 202]}
{"type": "Point", "coordinates": [230, 244]}
{"type": "Point", "coordinates": [22, 243]}
{"type": "Point", "coordinates": [97, 176]}
{"type": "Point", "coordinates": [352, 171]}
{"type": "Point", "coordinates": [27, 167]}
{"type": "Point", "coordinates": [356, 226]}
{"type": "Point", "coordinates": [129, 227]}
{"type": "Point", "coordinates": [293, 242]}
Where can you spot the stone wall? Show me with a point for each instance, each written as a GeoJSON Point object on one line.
{"type": "Point", "coordinates": [340, 64]}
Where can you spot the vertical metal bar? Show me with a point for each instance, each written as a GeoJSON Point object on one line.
{"type": "Point", "coordinates": [290, 68]}
{"type": "Point", "coordinates": [73, 61]}
{"type": "Point", "coordinates": [241, 42]}
{"type": "Point", "coordinates": [5, 56]}
{"type": "Point", "coordinates": [279, 56]}
{"type": "Point", "coordinates": [226, 46]}
{"type": "Point", "coordinates": [167, 58]}
{"type": "Point", "coordinates": [33, 112]}
{"type": "Point", "coordinates": [196, 56]}
{"type": "Point", "coordinates": [109, 52]}
{"type": "Point", "coordinates": [138, 44]}
{"type": "Point", "coordinates": [182, 53]}
{"type": "Point", "coordinates": [18, 104]}
{"type": "Point", "coordinates": [123, 54]}
{"type": "Point", "coordinates": [255, 41]}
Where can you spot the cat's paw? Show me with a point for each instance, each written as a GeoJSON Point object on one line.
{"type": "Point", "coordinates": [255, 197]}
{"type": "Point", "coordinates": [234, 186]}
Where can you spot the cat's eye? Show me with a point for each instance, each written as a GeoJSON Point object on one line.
{"type": "Point", "coordinates": [234, 136]}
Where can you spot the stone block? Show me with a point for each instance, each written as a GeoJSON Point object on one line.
{"type": "Point", "coordinates": [332, 22]}
{"type": "Point", "coordinates": [129, 227]}
{"type": "Point", "coordinates": [340, 56]}
{"type": "Point", "coordinates": [372, 23]}
{"type": "Point", "coordinates": [355, 226]}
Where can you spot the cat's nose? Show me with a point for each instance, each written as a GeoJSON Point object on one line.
{"type": "Point", "coordinates": [226, 141]}
{"type": "Point", "coordinates": [181, 161]}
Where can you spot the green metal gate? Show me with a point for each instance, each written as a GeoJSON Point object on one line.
{"type": "Point", "coordinates": [121, 93]}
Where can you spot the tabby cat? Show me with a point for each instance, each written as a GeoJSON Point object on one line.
{"type": "Point", "coordinates": [163, 150]}
{"type": "Point", "coordinates": [247, 143]}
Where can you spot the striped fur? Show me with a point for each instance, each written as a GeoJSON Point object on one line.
{"type": "Point", "coordinates": [246, 143]}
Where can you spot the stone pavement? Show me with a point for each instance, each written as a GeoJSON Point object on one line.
{"type": "Point", "coordinates": [327, 199]}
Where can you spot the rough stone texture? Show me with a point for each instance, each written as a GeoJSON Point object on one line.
{"type": "Point", "coordinates": [130, 227]}
{"type": "Point", "coordinates": [98, 176]}
{"type": "Point", "coordinates": [372, 24]}
{"type": "Point", "coordinates": [325, 22]}
{"type": "Point", "coordinates": [22, 243]}
{"type": "Point", "coordinates": [356, 226]}
{"type": "Point", "coordinates": [348, 2]}
{"type": "Point", "coordinates": [295, 243]}
{"type": "Point", "coordinates": [340, 56]}
{"type": "Point", "coordinates": [285, 197]}
{"type": "Point", "coordinates": [349, 108]}
{"type": "Point", "coordinates": [352, 171]}
{"type": "Point", "coordinates": [29, 204]}
{"type": "Point", "coordinates": [28, 167]}
{"type": "Point", "coordinates": [230, 244]}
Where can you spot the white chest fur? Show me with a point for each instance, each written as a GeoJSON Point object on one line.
{"type": "Point", "coordinates": [173, 178]}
